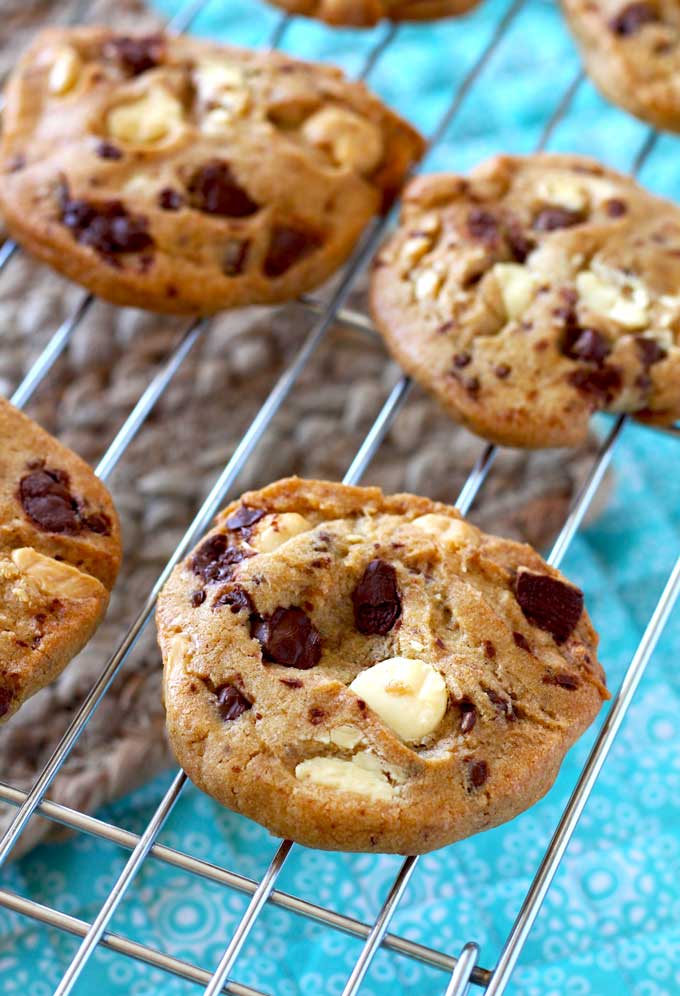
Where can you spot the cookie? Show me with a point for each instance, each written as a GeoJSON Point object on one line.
{"type": "Point", "coordinates": [366, 13]}
{"type": "Point", "coordinates": [532, 294]}
{"type": "Point", "coordinates": [366, 672]}
{"type": "Point", "coordinates": [632, 53]}
{"type": "Point", "coordinates": [180, 176]}
{"type": "Point", "coordinates": [60, 552]}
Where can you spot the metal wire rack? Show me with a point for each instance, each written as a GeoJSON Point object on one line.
{"type": "Point", "coordinates": [463, 970]}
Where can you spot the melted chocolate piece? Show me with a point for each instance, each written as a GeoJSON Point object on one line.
{"type": "Point", "coordinates": [288, 637]}
{"type": "Point", "coordinates": [237, 598]}
{"type": "Point", "coordinates": [549, 603]}
{"type": "Point", "coordinates": [629, 20]}
{"type": "Point", "coordinates": [169, 199]}
{"type": "Point", "coordinates": [197, 598]}
{"type": "Point", "coordinates": [287, 247]}
{"type": "Point", "coordinates": [214, 189]}
{"type": "Point", "coordinates": [563, 679]}
{"type": "Point", "coordinates": [585, 344]}
{"type": "Point", "coordinates": [603, 384]}
{"type": "Point", "coordinates": [477, 772]}
{"type": "Point", "coordinates": [521, 641]}
{"type": "Point", "coordinates": [106, 227]}
{"type": "Point", "coordinates": [244, 517]}
{"type": "Point", "coordinates": [468, 716]}
{"type": "Point", "coordinates": [551, 219]}
{"type": "Point", "coordinates": [107, 150]}
{"type": "Point", "coordinates": [215, 560]}
{"type": "Point", "coordinates": [650, 351]}
{"type": "Point", "coordinates": [615, 207]}
{"type": "Point", "coordinates": [136, 55]}
{"type": "Point", "coordinates": [231, 703]}
{"type": "Point", "coordinates": [482, 225]}
{"type": "Point", "coordinates": [376, 599]}
{"type": "Point", "coordinates": [47, 500]}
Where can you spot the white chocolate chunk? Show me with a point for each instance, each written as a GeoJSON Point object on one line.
{"type": "Point", "coordinates": [218, 82]}
{"type": "Point", "coordinates": [179, 651]}
{"type": "Point", "coordinates": [275, 530]}
{"type": "Point", "coordinates": [344, 776]}
{"type": "Point", "coordinates": [351, 140]}
{"type": "Point", "coordinates": [346, 736]}
{"type": "Point", "coordinates": [149, 119]}
{"type": "Point", "coordinates": [408, 695]}
{"type": "Point", "coordinates": [563, 189]}
{"type": "Point", "coordinates": [517, 286]}
{"type": "Point", "coordinates": [452, 532]}
{"type": "Point", "coordinates": [614, 295]}
{"type": "Point", "coordinates": [65, 71]}
{"type": "Point", "coordinates": [427, 285]}
{"type": "Point", "coordinates": [53, 577]}
{"type": "Point", "coordinates": [415, 248]}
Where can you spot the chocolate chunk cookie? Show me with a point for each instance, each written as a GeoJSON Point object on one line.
{"type": "Point", "coordinates": [59, 555]}
{"type": "Point", "coordinates": [366, 672]}
{"type": "Point", "coordinates": [176, 175]}
{"type": "Point", "coordinates": [632, 53]}
{"type": "Point", "coordinates": [366, 13]}
{"type": "Point", "coordinates": [532, 294]}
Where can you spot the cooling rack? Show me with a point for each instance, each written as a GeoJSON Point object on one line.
{"type": "Point", "coordinates": [461, 971]}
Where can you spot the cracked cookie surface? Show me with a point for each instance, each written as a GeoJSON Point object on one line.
{"type": "Point", "coordinates": [631, 51]}
{"type": "Point", "coordinates": [60, 552]}
{"type": "Point", "coordinates": [366, 672]}
{"type": "Point", "coordinates": [531, 294]}
{"type": "Point", "coordinates": [366, 13]}
{"type": "Point", "coordinates": [177, 175]}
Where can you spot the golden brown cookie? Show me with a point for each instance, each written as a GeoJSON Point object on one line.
{"type": "Point", "coordinates": [366, 13]}
{"type": "Point", "coordinates": [177, 175]}
{"type": "Point", "coordinates": [632, 53]}
{"type": "Point", "coordinates": [533, 293]}
{"type": "Point", "coordinates": [366, 672]}
{"type": "Point", "coordinates": [60, 552]}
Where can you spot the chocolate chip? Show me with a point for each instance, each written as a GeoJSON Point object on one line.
{"type": "Point", "coordinates": [603, 384]}
{"type": "Point", "coordinates": [106, 226]}
{"type": "Point", "coordinates": [236, 597]}
{"type": "Point", "coordinates": [215, 560]}
{"type": "Point", "coordinates": [585, 344]}
{"type": "Point", "coordinates": [244, 517]}
{"type": "Point", "coordinates": [287, 247]}
{"type": "Point", "coordinates": [521, 642]}
{"type": "Point", "coordinates": [47, 500]}
{"type": "Point", "coordinates": [136, 55]}
{"type": "Point", "coordinates": [214, 189]}
{"type": "Point", "coordinates": [650, 351]}
{"type": "Point", "coordinates": [502, 371]}
{"type": "Point", "coordinates": [107, 150]}
{"type": "Point", "coordinates": [468, 716]}
{"type": "Point", "coordinates": [563, 679]}
{"type": "Point", "coordinates": [629, 20]}
{"type": "Point", "coordinates": [169, 199]}
{"type": "Point", "coordinates": [615, 208]}
{"type": "Point", "coordinates": [291, 682]}
{"type": "Point", "coordinates": [231, 703]}
{"type": "Point", "coordinates": [553, 218]}
{"type": "Point", "coordinates": [477, 772]}
{"type": "Point", "coordinates": [16, 164]}
{"type": "Point", "coordinates": [97, 523]}
{"type": "Point", "coordinates": [235, 257]}
{"type": "Point", "coordinates": [6, 696]}
{"type": "Point", "coordinates": [316, 715]}
{"type": "Point", "coordinates": [502, 705]}
{"type": "Point", "coordinates": [520, 245]}
{"type": "Point", "coordinates": [197, 598]}
{"type": "Point", "coordinates": [288, 637]}
{"type": "Point", "coordinates": [549, 603]}
{"type": "Point", "coordinates": [482, 225]}
{"type": "Point", "coordinates": [489, 650]}
{"type": "Point", "coordinates": [376, 599]}
{"type": "Point", "coordinates": [461, 359]}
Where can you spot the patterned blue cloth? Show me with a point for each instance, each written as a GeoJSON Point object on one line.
{"type": "Point", "coordinates": [611, 923]}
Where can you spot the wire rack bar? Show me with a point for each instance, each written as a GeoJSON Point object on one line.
{"type": "Point", "coordinates": [122, 945]}
{"type": "Point", "coordinates": [229, 474]}
{"type": "Point", "coordinates": [459, 983]}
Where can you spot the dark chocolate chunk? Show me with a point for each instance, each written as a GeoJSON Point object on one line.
{"type": "Point", "coordinates": [502, 705]}
{"type": "Point", "coordinates": [106, 227]}
{"type": "Point", "coordinates": [47, 500]}
{"type": "Point", "coordinates": [482, 225]}
{"type": "Point", "coordinates": [288, 637]}
{"type": "Point", "coordinates": [521, 642]}
{"type": "Point", "coordinates": [551, 219]}
{"type": "Point", "coordinates": [107, 150]}
{"type": "Point", "coordinates": [376, 599]}
{"type": "Point", "coordinates": [520, 245]}
{"type": "Point", "coordinates": [549, 603]}
{"type": "Point", "coordinates": [287, 247]}
{"type": "Point", "coordinates": [468, 716]}
{"type": "Point", "coordinates": [237, 598]}
{"type": "Point", "coordinates": [197, 598]}
{"type": "Point", "coordinates": [615, 207]}
{"type": "Point", "coordinates": [477, 772]}
{"type": "Point", "coordinates": [461, 359]}
{"type": "Point", "coordinates": [98, 522]}
{"type": "Point", "coordinates": [244, 517]}
{"type": "Point", "coordinates": [136, 55]}
{"type": "Point", "coordinates": [602, 384]}
{"type": "Point", "coordinates": [650, 351]}
{"type": "Point", "coordinates": [563, 679]}
{"type": "Point", "coordinates": [169, 199]}
{"type": "Point", "coordinates": [214, 189]}
{"type": "Point", "coordinates": [502, 371]}
{"type": "Point", "coordinates": [316, 715]}
{"type": "Point", "coordinates": [632, 17]}
{"type": "Point", "coordinates": [585, 344]}
{"type": "Point", "coordinates": [489, 650]}
{"type": "Point", "coordinates": [291, 682]}
{"type": "Point", "coordinates": [231, 702]}
{"type": "Point", "coordinates": [215, 560]}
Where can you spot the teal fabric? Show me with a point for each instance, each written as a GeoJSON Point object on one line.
{"type": "Point", "coordinates": [611, 923]}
